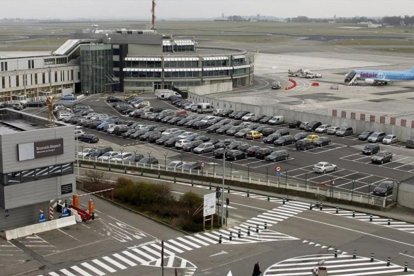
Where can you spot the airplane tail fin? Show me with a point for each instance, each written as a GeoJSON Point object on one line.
{"type": "Point", "coordinates": [412, 69]}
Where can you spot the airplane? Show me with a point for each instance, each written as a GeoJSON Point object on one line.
{"type": "Point", "coordinates": [378, 77]}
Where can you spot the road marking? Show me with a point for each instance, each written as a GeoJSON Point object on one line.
{"type": "Point", "coordinates": [219, 253]}
{"type": "Point", "coordinates": [115, 263]}
{"type": "Point", "coordinates": [125, 260]}
{"type": "Point", "coordinates": [406, 255]}
{"type": "Point", "coordinates": [63, 232]}
{"type": "Point", "coordinates": [67, 272]}
{"type": "Point", "coordinates": [93, 269]}
{"type": "Point", "coordinates": [80, 271]}
{"type": "Point", "coordinates": [356, 231]}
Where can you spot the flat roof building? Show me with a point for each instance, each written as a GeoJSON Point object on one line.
{"type": "Point", "coordinates": [36, 166]}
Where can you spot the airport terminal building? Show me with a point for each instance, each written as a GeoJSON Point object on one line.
{"type": "Point", "coordinates": [36, 166]}
{"type": "Point", "coordinates": [98, 61]}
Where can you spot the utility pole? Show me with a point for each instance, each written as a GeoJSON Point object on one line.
{"type": "Point", "coordinates": [153, 15]}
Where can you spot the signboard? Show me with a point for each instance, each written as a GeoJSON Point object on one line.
{"type": "Point", "coordinates": [66, 189]}
{"type": "Point", "coordinates": [29, 151]}
{"type": "Point", "coordinates": [209, 207]}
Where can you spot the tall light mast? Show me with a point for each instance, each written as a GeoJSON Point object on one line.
{"type": "Point", "coordinates": [153, 15]}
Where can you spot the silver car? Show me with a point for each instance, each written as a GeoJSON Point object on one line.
{"type": "Point", "coordinates": [204, 147]}
{"type": "Point", "coordinates": [324, 167]}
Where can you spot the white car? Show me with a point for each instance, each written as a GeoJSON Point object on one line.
{"type": "Point", "coordinates": [324, 167]}
{"type": "Point", "coordinates": [185, 134]}
{"type": "Point", "coordinates": [124, 156]}
{"type": "Point", "coordinates": [175, 164]}
{"type": "Point", "coordinates": [85, 152]}
{"type": "Point", "coordinates": [248, 116]}
{"type": "Point", "coordinates": [322, 128]}
{"type": "Point", "coordinates": [180, 143]}
{"type": "Point", "coordinates": [390, 139]}
{"type": "Point", "coordinates": [108, 155]}
{"type": "Point", "coordinates": [204, 147]}
{"type": "Point", "coordinates": [78, 132]}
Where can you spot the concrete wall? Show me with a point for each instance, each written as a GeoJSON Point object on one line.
{"type": "Point", "coordinates": [212, 88]}
{"type": "Point", "coordinates": [17, 217]}
{"type": "Point", "coordinates": [403, 130]}
{"type": "Point", "coordinates": [33, 192]}
{"type": "Point", "coordinates": [406, 195]}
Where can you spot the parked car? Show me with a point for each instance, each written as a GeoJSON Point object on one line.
{"type": "Point", "coordinates": [78, 132]}
{"type": "Point", "coordinates": [344, 131]}
{"type": "Point", "coordinates": [174, 165]}
{"type": "Point", "coordinates": [108, 155]}
{"type": "Point", "coordinates": [88, 138]}
{"type": "Point", "coordinates": [253, 135]}
{"type": "Point", "coordinates": [265, 119]}
{"type": "Point", "coordinates": [204, 148]}
{"type": "Point", "coordinates": [192, 145]}
{"type": "Point", "coordinates": [233, 155]}
{"type": "Point", "coordinates": [300, 135]}
{"type": "Point", "coordinates": [218, 153]}
{"type": "Point", "coordinates": [376, 137]}
{"type": "Point", "coordinates": [324, 167]}
{"type": "Point", "coordinates": [148, 161]}
{"type": "Point", "coordinates": [409, 144]}
{"type": "Point", "coordinates": [390, 139]}
{"type": "Point", "coordinates": [312, 137]}
{"type": "Point", "coordinates": [322, 128]}
{"type": "Point", "coordinates": [294, 124]}
{"type": "Point", "coordinates": [99, 151]}
{"type": "Point", "coordinates": [364, 135]}
{"type": "Point", "coordinates": [384, 188]}
{"type": "Point", "coordinates": [251, 151]}
{"type": "Point", "coordinates": [276, 120]}
{"type": "Point", "coordinates": [284, 140]}
{"type": "Point", "coordinates": [187, 166]}
{"type": "Point", "coordinates": [371, 149]}
{"type": "Point", "coordinates": [278, 155]}
{"type": "Point", "coordinates": [271, 138]}
{"type": "Point", "coordinates": [313, 125]}
{"type": "Point", "coordinates": [122, 156]}
{"type": "Point", "coordinates": [332, 130]}
{"type": "Point", "coordinates": [304, 145]}
{"type": "Point", "coordinates": [381, 157]}
{"type": "Point", "coordinates": [322, 141]}
{"type": "Point", "coordinates": [242, 132]}
{"type": "Point", "coordinates": [282, 131]}
{"type": "Point", "coordinates": [263, 152]}
{"type": "Point", "coordinates": [248, 116]}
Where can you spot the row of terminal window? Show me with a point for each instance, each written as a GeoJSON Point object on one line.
{"type": "Point", "coordinates": [36, 174]}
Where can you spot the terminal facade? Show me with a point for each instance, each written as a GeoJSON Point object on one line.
{"type": "Point", "coordinates": [98, 61]}
{"type": "Point", "coordinates": [36, 167]}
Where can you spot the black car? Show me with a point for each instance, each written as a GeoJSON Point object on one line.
{"type": "Point", "coordinates": [218, 153]}
{"type": "Point", "coordinates": [371, 149]}
{"type": "Point", "coordinates": [136, 157]}
{"type": "Point", "coordinates": [313, 125]}
{"type": "Point", "coordinates": [233, 130]}
{"type": "Point", "coordinates": [192, 145]}
{"type": "Point", "coordinates": [284, 140]}
{"type": "Point", "coordinates": [265, 119]}
{"type": "Point", "coordinates": [384, 188]}
{"type": "Point", "coordinates": [267, 131]}
{"type": "Point", "coordinates": [233, 155]}
{"type": "Point", "coordinates": [240, 114]}
{"type": "Point", "coordinates": [294, 124]}
{"type": "Point", "coordinates": [381, 157]}
{"type": "Point", "coordinates": [146, 135]}
{"type": "Point", "coordinates": [278, 155]}
{"type": "Point", "coordinates": [148, 161]}
{"type": "Point", "coordinates": [88, 138]}
{"type": "Point", "coordinates": [244, 147]}
{"type": "Point", "coordinates": [171, 141]}
{"type": "Point", "coordinates": [256, 118]}
{"type": "Point", "coordinates": [282, 131]}
{"type": "Point", "coordinates": [271, 138]}
{"type": "Point", "coordinates": [213, 128]}
{"type": "Point", "coordinates": [153, 136]}
{"type": "Point", "coordinates": [304, 144]}
{"type": "Point", "coordinates": [251, 151]}
{"type": "Point", "coordinates": [322, 141]}
{"type": "Point", "coordinates": [263, 152]}
{"type": "Point", "coordinates": [300, 135]}
{"type": "Point", "coordinates": [364, 135]}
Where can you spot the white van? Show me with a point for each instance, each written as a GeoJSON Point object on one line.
{"type": "Point", "coordinates": [164, 94]}
{"type": "Point", "coordinates": [204, 108]}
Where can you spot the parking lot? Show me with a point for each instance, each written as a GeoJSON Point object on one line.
{"type": "Point", "coordinates": [343, 151]}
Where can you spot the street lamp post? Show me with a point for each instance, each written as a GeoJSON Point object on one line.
{"type": "Point", "coordinates": [222, 187]}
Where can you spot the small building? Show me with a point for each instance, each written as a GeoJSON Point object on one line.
{"type": "Point", "coordinates": [36, 166]}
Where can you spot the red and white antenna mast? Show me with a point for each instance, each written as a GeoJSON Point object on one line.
{"type": "Point", "coordinates": [153, 15]}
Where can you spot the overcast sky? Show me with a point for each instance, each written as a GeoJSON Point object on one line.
{"type": "Point", "coordinates": [140, 9]}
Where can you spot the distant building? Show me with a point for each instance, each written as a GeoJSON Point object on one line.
{"type": "Point", "coordinates": [98, 61]}
{"type": "Point", "coordinates": [36, 167]}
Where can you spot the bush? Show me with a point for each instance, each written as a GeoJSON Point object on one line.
{"type": "Point", "coordinates": [157, 200]}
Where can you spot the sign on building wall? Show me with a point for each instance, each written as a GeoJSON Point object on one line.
{"type": "Point", "coordinates": [29, 151]}
{"type": "Point", "coordinates": [66, 189]}
{"type": "Point", "coordinates": [209, 204]}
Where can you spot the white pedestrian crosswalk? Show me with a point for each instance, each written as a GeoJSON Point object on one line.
{"type": "Point", "coordinates": [344, 265]}
{"type": "Point", "coordinates": [395, 224]}
{"type": "Point", "coordinates": [254, 230]}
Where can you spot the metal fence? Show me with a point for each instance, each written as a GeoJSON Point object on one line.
{"type": "Point", "coordinates": [213, 174]}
